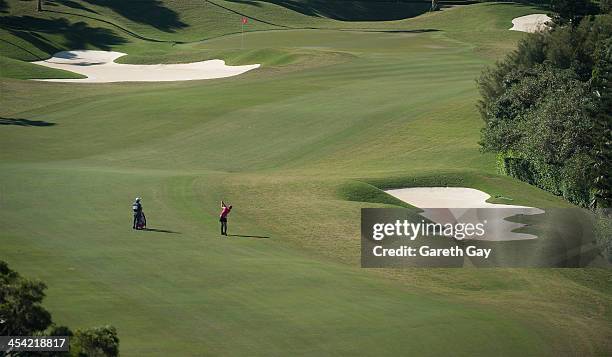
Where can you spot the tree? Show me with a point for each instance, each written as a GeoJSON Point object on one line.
{"type": "Point", "coordinates": [39, 5]}
{"type": "Point", "coordinates": [547, 111]}
{"type": "Point", "coordinates": [96, 342]}
{"type": "Point", "coordinates": [20, 307]}
{"type": "Point", "coordinates": [540, 126]}
{"type": "Point", "coordinates": [571, 11]}
{"type": "Point", "coordinates": [602, 78]}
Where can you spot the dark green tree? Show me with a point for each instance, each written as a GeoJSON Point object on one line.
{"type": "Point", "coordinates": [547, 111]}
{"type": "Point", "coordinates": [20, 308]}
{"type": "Point", "coordinates": [541, 126]}
{"type": "Point", "coordinates": [96, 342]}
{"type": "Point", "coordinates": [602, 172]}
{"type": "Point", "coordinates": [571, 11]}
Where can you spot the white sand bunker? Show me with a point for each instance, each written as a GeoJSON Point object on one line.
{"type": "Point", "coordinates": [99, 67]}
{"type": "Point", "coordinates": [466, 205]}
{"type": "Point", "coordinates": [530, 23]}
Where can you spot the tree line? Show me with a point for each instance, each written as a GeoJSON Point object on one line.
{"type": "Point", "coordinates": [547, 106]}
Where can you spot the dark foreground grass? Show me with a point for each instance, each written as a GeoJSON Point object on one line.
{"type": "Point", "coordinates": [349, 112]}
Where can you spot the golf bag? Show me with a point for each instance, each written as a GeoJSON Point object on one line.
{"type": "Point", "coordinates": [141, 222]}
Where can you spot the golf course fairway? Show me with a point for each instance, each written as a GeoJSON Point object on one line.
{"type": "Point", "coordinates": [337, 112]}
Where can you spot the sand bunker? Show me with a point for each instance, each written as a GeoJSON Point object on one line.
{"type": "Point", "coordinates": [530, 23]}
{"type": "Point", "coordinates": [466, 205]}
{"type": "Point", "coordinates": [99, 67]}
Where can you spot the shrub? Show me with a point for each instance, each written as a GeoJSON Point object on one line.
{"type": "Point", "coordinates": [547, 108]}
{"type": "Point", "coordinates": [96, 342]}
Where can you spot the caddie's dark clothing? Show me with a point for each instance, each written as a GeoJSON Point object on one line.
{"type": "Point", "coordinates": [137, 208]}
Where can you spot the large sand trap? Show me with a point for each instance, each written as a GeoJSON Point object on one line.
{"type": "Point", "coordinates": [530, 23]}
{"type": "Point", "coordinates": [459, 204]}
{"type": "Point", "coordinates": [99, 67]}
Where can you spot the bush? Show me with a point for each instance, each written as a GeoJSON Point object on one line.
{"type": "Point", "coordinates": [96, 342]}
{"type": "Point", "coordinates": [547, 109]}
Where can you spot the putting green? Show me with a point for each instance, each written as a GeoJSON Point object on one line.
{"type": "Point", "coordinates": [328, 110]}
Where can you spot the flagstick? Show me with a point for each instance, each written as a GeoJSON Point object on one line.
{"type": "Point", "coordinates": [242, 36]}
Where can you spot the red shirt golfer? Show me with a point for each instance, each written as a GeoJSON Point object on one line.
{"type": "Point", "coordinates": [225, 210]}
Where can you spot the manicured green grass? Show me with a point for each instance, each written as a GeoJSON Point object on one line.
{"type": "Point", "coordinates": [295, 146]}
{"type": "Point", "coordinates": [155, 27]}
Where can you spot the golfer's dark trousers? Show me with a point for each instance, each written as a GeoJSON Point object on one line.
{"type": "Point", "coordinates": [136, 216]}
{"type": "Point", "coordinates": [224, 227]}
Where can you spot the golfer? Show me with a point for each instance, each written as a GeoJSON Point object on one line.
{"type": "Point", "coordinates": [225, 210]}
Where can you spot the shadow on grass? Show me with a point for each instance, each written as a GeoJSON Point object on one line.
{"type": "Point", "coordinates": [247, 236]}
{"type": "Point", "coordinates": [124, 29]}
{"type": "Point", "coordinates": [24, 122]}
{"type": "Point", "coordinates": [391, 31]}
{"type": "Point", "coordinates": [352, 10]}
{"type": "Point", "coordinates": [71, 4]}
{"type": "Point", "coordinates": [149, 12]}
{"type": "Point", "coordinates": [245, 15]}
{"type": "Point", "coordinates": [76, 35]}
{"type": "Point", "coordinates": [409, 31]}
{"type": "Point", "coordinates": [159, 230]}
{"type": "Point", "coordinates": [34, 55]}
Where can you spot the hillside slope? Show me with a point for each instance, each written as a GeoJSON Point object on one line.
{"type": "Point", "coordinates": [26, 34]}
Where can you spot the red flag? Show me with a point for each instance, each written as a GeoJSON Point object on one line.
{"type": "Point", "coordinates": [245, 20]}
